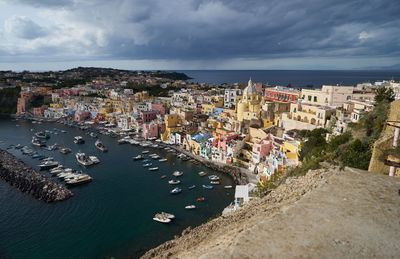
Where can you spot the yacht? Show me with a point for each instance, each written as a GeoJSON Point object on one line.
{"type": "Point", "coordinates": [177, 173]}
{"type": "Point", "coordinates": [81, 179]}
{"type": "Point", "coordinates": [79, 140]}
{"type": "Point", "coordinates": [161, 218]}
{"type": "Point", "coordinates": [100, 146]}
{"type": "Point", "coordinates": [83, 159]}
{"type": "Point", "coordinates": [48, 165]}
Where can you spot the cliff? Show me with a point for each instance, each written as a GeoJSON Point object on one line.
{"type": "Point", "coordinates": [326, 213]}
{"type": "Point", "coordinates": [26, 179]}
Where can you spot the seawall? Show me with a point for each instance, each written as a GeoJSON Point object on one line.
{"type": "Point", "coordinates": [27, 180]}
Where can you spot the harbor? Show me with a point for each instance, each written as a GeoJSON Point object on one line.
{"type": "Point", "coordinates": [121, 200]}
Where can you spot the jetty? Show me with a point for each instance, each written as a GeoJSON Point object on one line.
{"type": "Point", "coordinates": [27, 180]}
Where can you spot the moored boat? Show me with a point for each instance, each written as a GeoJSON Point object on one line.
{"type": "Point", "coordinates": [200, 199]}
{"type": "Point", "coordinates": [84, 178]}
{"type": "Point", "coordinates": [176, 190]}
{"type": "Point", "coordinates": [192, 187]}
{"type": "Point", "coordinates": [147, 164]}
{"type": "Point", "coordinates": [41, 134]}
{"type": "Point", "coordinates": [228, 186]}
{"type": "Point", "coordinates": [138, 157]}
{"type": "Point", "coordinates": [162, 160]}
{"type": "Point", "coordinates": [48, 165]}
{"type": "Point", "coordinates": [174, 182]}
{"type": "Point", "coordinates": [153, 168]}
{"type": "Point", "coordinates": [83, 159]}
{"type": "Point", "coordinates": [205, 186]}
{"type": "Point", "coordinates": [215, 182]}
{"type": "Point", "coordinates": [202, 173]}
{"type": "Point", "coordinates": [161, 218]}
{"type": "Point", "coordinates": [79, 140]}
{"type": "Point", "coordinates": [213, 178]}
{"type": "Point", "coordinates": [177, 173]}
{"type": "Point", "coordinates": [190, 207]}
{"type": "Point", "coordinates": [65, 150]}
{"type": "Point", "coordinates": [100, 146]}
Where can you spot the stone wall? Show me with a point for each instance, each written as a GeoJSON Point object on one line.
{"type": "Point", "coordinates": [385, 142]}
{"type": "Point", "coordinates": [27, 180]}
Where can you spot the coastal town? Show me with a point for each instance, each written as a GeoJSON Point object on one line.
{"type": "Point", "coordinates": [254, 127]}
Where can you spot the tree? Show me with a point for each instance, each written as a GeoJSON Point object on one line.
{"type": "Point", "coordinates": [384, 94]}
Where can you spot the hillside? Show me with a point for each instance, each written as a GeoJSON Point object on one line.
{"type": "Point", "coordinates": [8, 100]}
{"type": "Point", "coordinates": [326, 213]}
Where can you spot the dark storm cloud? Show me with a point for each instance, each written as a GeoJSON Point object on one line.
{"type": "Point", "coordinates": [188, 29]}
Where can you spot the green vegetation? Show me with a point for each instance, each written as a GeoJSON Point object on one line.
{"type": "Point", "coordinates": [8, 100]}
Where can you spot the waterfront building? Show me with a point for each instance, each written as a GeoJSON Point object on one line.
{"type": "Point", "coordinates": [150, 130]}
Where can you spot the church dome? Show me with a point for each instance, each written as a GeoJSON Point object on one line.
{"type": "Point", "coordinates": [250, 89]}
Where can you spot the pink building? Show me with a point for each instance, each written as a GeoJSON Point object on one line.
{"type": "Point", "coordinates": [148, 116]}
{"type": "Point", "coordinates": [39, 111]}
{"type": "Point", "coordinates": [150, 130]}
{"type": "Point", "coordinates": [159, 108]}
{"type": "Point", "coordinates": [81, 116]}
{"type": "Point", "coordinates": [263, 148]}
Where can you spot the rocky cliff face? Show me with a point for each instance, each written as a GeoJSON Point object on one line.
{"type": "Point", "coordinates": [27, 180]}
{"type": "Point", "coordinates": [327, 213]}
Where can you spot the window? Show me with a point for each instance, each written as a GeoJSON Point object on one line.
{"type": "Point", "coordinates": [348, 97]}
{"type": "Point", "coordinates": [303, 97]}
{"type": "Point", "coordinates": [315, 99]}
{"type": "Point", "coordinates": [309, 98]}
{"type": "Point", "coordinates": [326, 99]}
{"type": "Point", "coordinates": [294, 109]}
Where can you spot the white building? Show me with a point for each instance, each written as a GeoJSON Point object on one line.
{"type": "Point", "coordinates": [231, 97]}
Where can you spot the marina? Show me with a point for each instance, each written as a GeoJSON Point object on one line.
{"type": "Point", "coordinates": [107, 201]}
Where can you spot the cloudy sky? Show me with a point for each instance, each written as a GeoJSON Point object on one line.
{"type": "Point", "coordinates": [199, 34]}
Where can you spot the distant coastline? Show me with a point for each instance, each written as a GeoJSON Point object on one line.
{"type": "Point", "coordinates": [296, 78]}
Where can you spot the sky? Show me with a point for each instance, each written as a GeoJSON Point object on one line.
{"type": "Point", "coordinates": [203, 34]}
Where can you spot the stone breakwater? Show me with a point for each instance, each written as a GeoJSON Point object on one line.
{"type": "Point", "coordinates": [26, 179]}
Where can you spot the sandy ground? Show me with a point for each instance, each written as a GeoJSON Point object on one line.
{"type": "Point", "coordinates": [327, 213]}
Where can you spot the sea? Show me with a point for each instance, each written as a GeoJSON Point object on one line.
{"type": "Point", "coordinates": [112, 216]}
{"type": "Point", "coordinates": [294, 78]}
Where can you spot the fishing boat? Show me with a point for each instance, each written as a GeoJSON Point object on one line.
{"type": "Point", "coordinates": [161, 218]}
{"type": "Point", "coordinates": [213, 177]}
{"type": "Point", "coordinates": [192, 187]}
{"type": "Point", "coordinates": [177, 173]}
{"type": "Point", "coordinates": [94, 159]}
{"type": "Point", "coordinates": [41, 134]}
{"type": "Point", "coordinates": [37, 142]}
{"type": "Point", "coordinates": [153, 168]}
{"type": "Point", "coordinates": [228, 186]}
{"type": "Point", "coordinates": [190, 207]}
{"type": "Point", "coordinates": [202, 173]}
{"type": "Point", "coordinates": [205, 186]}
{"type": "Point", "coordinates": [215, 182]}
{"type": "Point", "coordinates": [138, 157]}
{"type": "Point", "coordinates": [176, 190]}
{"type": "Point", "coordinates": [83, 159]}
{"type": "Point", "coordinates": [100, 146]}
{"type": "Point", "coordinates": [145, 152]}
{"type": "Point", "coordinates": [65, 150]}
{"type": "Point", "coordinates": [147, 165]}
{"type": "Point", "coordinates": [174, 182]}
{"type": "Point", "coordinates": [155, 157]}
{"type": "Point", "coordinates": [48, 165]}
{"type": "Point", "coordinates": [163, 160]}
{"type": "Point", "coordinates": [79, 140]}
{"type": "Point", "coordinates": [200, 199]}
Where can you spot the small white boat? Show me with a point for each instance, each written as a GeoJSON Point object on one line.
{"type": "Point", "coordinates": [162, 219]}
{"type": "Point", "coordinates": [94, 159]}
{"type": "Point", "coordinates": [202, 173]}
{"type": "Point", "coordinates": [177, 173]}
{"type": "Point", "coordinates": [145, 152]}
{"type": "Point", "coordinates": [213, 178]}
{"type": "Point", "coordinates": [79, 140]}
{"type": "Point", "coordinates": [228, 186]}
{"type": "Point", "coordinates": [176, 190]}
{"type": "Point", "coordinates": [167, 215]}
{"type": "Point", "coordinates": [138, 157]}
{"type": "Point", "coordinates": [190, 207]}
{"type": "Point", "coordinates": [215, 182]}
{"type": "Point", "coordinates": [153, 168]}
{"type": "Point", "coordinates": [83, 159]}
{"type": "Point", "coordinates": [174, 182]}
{"type": "Point", "coordinates": [163, 160]}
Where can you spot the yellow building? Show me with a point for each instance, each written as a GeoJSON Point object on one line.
{"type": "Point", "coordinates": [207, 108]}
{"type": "Point", "coordinates": [173, 123]}
{"type": "Point", "coordinates": [250, 105]}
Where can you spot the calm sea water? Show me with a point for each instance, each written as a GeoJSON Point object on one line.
{"type": "Point", "coordinates": [111, 216]}
{"type": "Point", "coordinates": [297, 78]}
